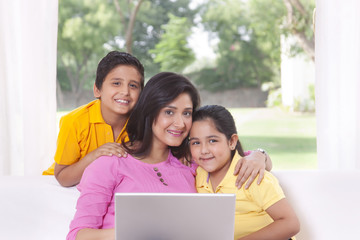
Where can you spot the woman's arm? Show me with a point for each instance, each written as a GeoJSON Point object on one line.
{"type": "Point", "coordinates": [253, 164]}
{"type": "Point", "coordinates": [96, 234]}
{"type": "Point", "coordinates": [96, 192]}
{"type": "Point", "coordinates": [285, 225]}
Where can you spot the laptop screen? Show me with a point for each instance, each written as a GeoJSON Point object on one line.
{"type": "Point", "coordinates": [174, 216]}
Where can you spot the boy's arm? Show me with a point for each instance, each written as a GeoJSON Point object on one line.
{"type": "Point", "coordinates": [253, 164]}
{"type": "Point", "coordinates": [285, 225]}
{"type": "Point", "coordinates": [70, 175]}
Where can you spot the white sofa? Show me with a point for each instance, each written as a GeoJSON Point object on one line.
{"type": "Point", "coordinates": [327, 203]}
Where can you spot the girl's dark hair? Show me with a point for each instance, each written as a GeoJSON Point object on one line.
{"type": "Point", "coordinates": [159, 91]}
{"type": "Point", "coordinates": [114, 59]}
{"type": "Point", "coordinates": [223, 121]}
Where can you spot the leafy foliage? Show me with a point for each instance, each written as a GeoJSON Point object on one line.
{"type": "Point", "coordinates": [245, 58]}
{"type": "Point", "coordinates": [84, 29]}
{"type": "Point", "coordinates": [172, 51]}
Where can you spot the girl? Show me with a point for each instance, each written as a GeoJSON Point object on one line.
{"type": "Point", "coordinates": [262, 212]}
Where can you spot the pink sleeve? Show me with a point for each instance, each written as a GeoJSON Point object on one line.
{"type": "Point", "coordinates": [96, 187]}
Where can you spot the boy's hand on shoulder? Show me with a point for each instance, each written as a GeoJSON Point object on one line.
{"type": "Point", "coordinates": [109, 149]}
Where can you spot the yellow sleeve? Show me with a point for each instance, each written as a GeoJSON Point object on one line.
{"type": "Point", "coordinates": [68, 149]}
{"type": "Point", "coordinates": [267, 193]}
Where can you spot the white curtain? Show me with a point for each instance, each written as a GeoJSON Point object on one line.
{"type": "Point", "coordinates": [338, 83]}
{"type": "Point", "coordinates": [28, 38]}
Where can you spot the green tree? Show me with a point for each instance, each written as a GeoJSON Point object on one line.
{"type": "Point", "coordinates": [299, 23]}
{"type": "Point", "coordinates": [241, 61]}
{"type": "Point", "coordinates": [146, 29]}
{"type": "Point", "coordinates": [84, 29]}
{"type": "Point", "coordinates": [249, 33]}
{"type": "Point", "coordinates": [172, 52]}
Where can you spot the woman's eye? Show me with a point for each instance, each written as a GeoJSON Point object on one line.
{"type": "Point", "coordinates": [168, 112]}
{"type": "Point", "coordinates": [187, 114]}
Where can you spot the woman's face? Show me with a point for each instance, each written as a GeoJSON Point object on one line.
{"type": "Point", "coordinates": [173, 123]}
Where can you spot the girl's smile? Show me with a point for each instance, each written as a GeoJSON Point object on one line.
{"type": "Point", "coordinates": [210, 148]}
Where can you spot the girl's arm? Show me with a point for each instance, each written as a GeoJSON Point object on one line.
{"type": "Point", "coordinates": [248, 167]}
{"type": "Point", "coordinates": [96, 234]}
{"type": "Point", "coordinates": [285, 225]}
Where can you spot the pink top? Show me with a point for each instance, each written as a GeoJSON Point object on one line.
{"type": "Point", "coordinates": [109, 175]}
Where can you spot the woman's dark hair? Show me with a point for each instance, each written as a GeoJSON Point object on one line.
{"type": "Point", "coordinates": [114, 59]}
{"type": "Point", "coordinates": [159, 91]}
{"type": "Point", "coordinates": [223, 121]}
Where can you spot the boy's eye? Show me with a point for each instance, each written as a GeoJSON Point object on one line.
{"type": "Point", "coordinates": [212, 141]}
{"type": "Point", "coordinates": [133, 85]}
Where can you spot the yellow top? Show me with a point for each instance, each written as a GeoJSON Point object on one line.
{"type": "Point", "coordinates": [81, 131]}
{"type": "Point", "coordinates": [250, 215]}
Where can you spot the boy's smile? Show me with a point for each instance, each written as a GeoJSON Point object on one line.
{"type": "Point", "coordinates": [119, 92]}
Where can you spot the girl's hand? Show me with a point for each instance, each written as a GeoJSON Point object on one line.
{"type": "Point", "coordinates": [249, 167]}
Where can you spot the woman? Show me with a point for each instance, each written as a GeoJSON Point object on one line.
{"type": "Point", "coordinates": [157, 127]}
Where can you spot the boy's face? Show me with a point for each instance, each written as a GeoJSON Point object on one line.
{"type": "Point", "coordinates": [119, 92]}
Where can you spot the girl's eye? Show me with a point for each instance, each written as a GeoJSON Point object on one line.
{"type": "Point", "coordinates": [116, 83]}
{"type": "Point", "coordinates": [195, 143]}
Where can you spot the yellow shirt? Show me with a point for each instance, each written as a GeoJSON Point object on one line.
{"type": "Point", "coordinates": [81, 131]}
{"type": "Point", "coordinates": [250, 215]}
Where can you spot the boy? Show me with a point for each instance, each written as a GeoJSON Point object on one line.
{"type": "Point", "coordinates": [94, 130]}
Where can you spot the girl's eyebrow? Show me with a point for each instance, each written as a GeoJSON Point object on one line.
{"type": "Point", "coordinates": [211, 136]}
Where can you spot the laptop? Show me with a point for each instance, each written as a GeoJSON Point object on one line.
{"type": "Point", "coordinates": [174, 216]}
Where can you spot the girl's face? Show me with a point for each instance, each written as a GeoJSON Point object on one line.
{"type": "Point", "coordinates": [173, 122]}
{"type": "Point", "coordinates": [210, 148]}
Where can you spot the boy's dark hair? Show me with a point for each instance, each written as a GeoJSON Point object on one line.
{"type": "Point", "coordinates": [114, 59]}
{"type": "Point", "coordinates": [223, 121]}
{"type": "Point", "coordinates": [160, 90]}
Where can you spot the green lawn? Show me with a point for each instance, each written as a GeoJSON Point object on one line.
{"type": "Point", "coordinates": [289, 138]}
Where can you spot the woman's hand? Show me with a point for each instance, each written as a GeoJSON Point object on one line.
{"type": "Point", "coordinates": [248, 167]}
